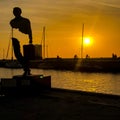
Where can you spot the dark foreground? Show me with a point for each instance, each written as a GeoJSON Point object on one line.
{"type": "Point", "coordinates": [60, 105]}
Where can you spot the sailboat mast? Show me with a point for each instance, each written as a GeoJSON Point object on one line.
{"type": "Point", "coordinates": [82, 41]}
{"type": "Point", "coordinates": [3, 54]}
{"type": "Point", "coordinates": [44, 41]}
{"type": "Point", "coordinates": [12, 44]}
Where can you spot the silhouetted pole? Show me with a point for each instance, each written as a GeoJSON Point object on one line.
{"type": "Point", "coordinates": [12, 44]}
{"type": "Point", "coordinates": [82, 41]}
{"type": "Point", "coordinates": [3, 53]}
{"type": "Point", "coordinates": [8, 49]}
{"type": "Point", "coordinates": [44, 42]}
{"type": "Point", "coordinates": [47, 51]}
{"type": "Point", "coordinates": [10, 41]}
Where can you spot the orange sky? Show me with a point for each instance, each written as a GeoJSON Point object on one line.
{"type": "Point", "coordinates": [63, 20]}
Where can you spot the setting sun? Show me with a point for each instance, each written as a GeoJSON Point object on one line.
{"type": "Point", "coordinates": [87, 41]}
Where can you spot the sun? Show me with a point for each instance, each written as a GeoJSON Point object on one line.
{"type": "Point", "coordinates": [87, 41]}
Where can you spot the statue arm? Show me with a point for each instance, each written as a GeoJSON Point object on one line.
{"type": "Point", "coordinates": [30, 35]}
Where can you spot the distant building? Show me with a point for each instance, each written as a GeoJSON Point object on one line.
{"type": "Point", "coordinates": [87, 56]}
{"type": "Point", "coordinates": [75, 56]}
{"type": "Point", "coordinates": [32, 52]}
{"type": "Point", "coordinates": [114, 56]}
{"type": "Point", "coordinates": [38, 51]}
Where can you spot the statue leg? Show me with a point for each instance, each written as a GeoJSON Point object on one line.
{"type": "Point", "coordinates": [23, 61]}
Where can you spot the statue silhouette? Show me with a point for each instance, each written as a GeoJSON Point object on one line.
{"type": "Point", "coordinates": [23, 25]}
{"type": "Point", "coordinates": [24, 61]}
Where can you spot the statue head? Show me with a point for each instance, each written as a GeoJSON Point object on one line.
{"type": "Point", "coordinates": [17, 11]}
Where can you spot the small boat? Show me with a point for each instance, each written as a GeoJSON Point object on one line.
{"type": "Point", "coordinates": [12, 64]}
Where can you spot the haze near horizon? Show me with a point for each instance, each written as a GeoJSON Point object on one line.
{"type": "Point", "coordinates": [63, 21]}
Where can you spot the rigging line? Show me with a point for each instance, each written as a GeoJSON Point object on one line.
{"type": "Point", "coordinates": [11, 35]}
{"type": "Point", "coordinates": [8, 49]}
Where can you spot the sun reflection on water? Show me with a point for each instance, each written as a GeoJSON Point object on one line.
{"type": "Point", "coordinates": [91, 82]}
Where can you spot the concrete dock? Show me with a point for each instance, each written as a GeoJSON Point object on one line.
{"type": "Point", "coordinates": [57, 104]}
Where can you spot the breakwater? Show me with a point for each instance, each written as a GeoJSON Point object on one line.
{"type": "Point", "coordinates": [83, 65]}
{"type": "Point", "coordinates": [73, 64]}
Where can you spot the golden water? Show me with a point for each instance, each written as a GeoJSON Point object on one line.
{"type": "Point", "coordinates": [92, 82]}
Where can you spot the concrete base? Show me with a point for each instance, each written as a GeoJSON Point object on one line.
{"type": "Point", "coordinates": [24, 84]}
{"type": "Point", "coordinates": [33, 80]}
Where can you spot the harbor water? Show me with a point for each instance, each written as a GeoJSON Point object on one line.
{"type": "Point", "coordinates": [107, 83]}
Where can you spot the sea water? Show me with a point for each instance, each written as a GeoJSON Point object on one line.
{"type": "Point", "coordinates": [93, 82]}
